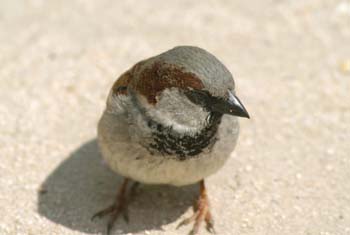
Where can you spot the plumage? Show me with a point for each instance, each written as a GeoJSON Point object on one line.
{"type": "Point", "coordinates": [165, 120]}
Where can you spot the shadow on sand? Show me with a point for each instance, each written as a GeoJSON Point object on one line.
{"type": "Point", "coordinates": [82, 185]}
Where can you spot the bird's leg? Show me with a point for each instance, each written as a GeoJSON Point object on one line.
{"type": "Point", "coordinates": [201, 213]}
{"type": "Point", "coordinates": [119, 206]}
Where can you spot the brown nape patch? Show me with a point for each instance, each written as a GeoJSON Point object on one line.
{"type": "Point", "coordinates": [120, 86]}
{"type": "Point", "coordinates": [159, 76]}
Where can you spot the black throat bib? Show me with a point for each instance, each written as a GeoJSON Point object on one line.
{"type": "Point", "coordinates": [168, 142]}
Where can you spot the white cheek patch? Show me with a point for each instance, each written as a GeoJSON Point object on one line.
{"type": "Point", "coordinates": [176, 110]}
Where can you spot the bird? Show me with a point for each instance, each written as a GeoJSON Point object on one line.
{"type": "Point", "coordinates": [171, 119]}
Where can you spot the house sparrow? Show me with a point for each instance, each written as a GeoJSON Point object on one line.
{"type": "Point", "coordinates": [165, 123]}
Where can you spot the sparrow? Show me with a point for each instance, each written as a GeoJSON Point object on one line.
{"type": "Point", "coordinates": [170, 119]}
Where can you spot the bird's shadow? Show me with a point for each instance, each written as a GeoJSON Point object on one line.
{"type": "Point", "coordinates": [83, 185]}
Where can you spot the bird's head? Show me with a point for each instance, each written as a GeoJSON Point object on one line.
{"type": "Point", "coordinates": [182, 87]}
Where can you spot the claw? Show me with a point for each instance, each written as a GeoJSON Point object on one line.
{"type": "Point", "coordinates": [192, 232]}
{"type": "Point", "coordinates": [201, 214]}
{"type": "Point", "coordinates": [109, 227]}
{"type": "Point", "coordinates": [119, 206]}
{"type": "Point", "coordinates": [187, 221]}
{"type": "Point", "coordinates": [210, 228]}
{"type": "Point", "coordinates": [102, 213]}
{"type": "Point", "coordinates": [126, 215]}
{"type": "Point", "coordinates": [209, 223]}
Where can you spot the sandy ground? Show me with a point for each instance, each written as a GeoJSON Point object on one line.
{"type": "Point", "coordinates": [290, 173]}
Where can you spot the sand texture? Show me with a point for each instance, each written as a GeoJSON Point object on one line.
{"type": "Point", "coordinates": [290, 173]}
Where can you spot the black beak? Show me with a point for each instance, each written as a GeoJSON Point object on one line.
{"type": "Point", "coordinates": [230, 105]}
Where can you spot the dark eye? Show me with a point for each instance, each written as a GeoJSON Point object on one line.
{"type": "Point", "coordinates": [201, 97]}
{"type": "Point", "coordinates": [196, 96]}
{"type": "Point", "coordinates": [121, 88]}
